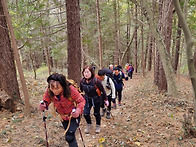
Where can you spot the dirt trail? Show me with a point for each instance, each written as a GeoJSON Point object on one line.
{"type": "Point", "coordinates": [113, 130]}
{"type": "Point", "coordinates": [146, 118]}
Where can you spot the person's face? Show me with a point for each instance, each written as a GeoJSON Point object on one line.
{"type": "Point", "coordinates": [111, 67]}
{"type": "Point", "coordinates": [102, 77]}
{"type": "Point", "coordinates": [116, 72]}
{"type": "Point", "coordinates": [87, 73]}
{"type": "Point", "coordinates": [55, 87]}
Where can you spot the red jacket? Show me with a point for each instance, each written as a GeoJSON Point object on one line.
{"type": "Point", "coordinates": [64, 106]}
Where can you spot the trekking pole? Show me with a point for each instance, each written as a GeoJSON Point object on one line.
{"type": "Point", "coordinates": [80, 132]}
{"type": "Point", "coordinates": [79, 128]}
{"type": "Point", "coordinates": [44, 120]}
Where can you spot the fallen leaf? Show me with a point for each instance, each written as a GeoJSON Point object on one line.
{"type": "Point", "coordinates": [102, 140]}
{"type": "Point", "coordinates": [137, 143]}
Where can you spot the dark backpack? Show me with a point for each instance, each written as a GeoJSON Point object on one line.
{"type": "Point", "coordinates": [110, 74]}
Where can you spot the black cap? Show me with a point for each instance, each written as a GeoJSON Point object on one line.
{"type": "Point", "coordinates": [116, 68]}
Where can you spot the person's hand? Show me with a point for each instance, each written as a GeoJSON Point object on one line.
{"type": "Point", "coordinates": [76, 113]}
{"type": "Point", "coordinates": [106, 103]}
{"type": "Point", "coordinates": [42, 106]}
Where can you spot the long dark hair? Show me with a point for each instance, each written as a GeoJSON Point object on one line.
{"type": "Point", "coordinates": [90, 67]}
{"type": "Point", "coordinates": [62, 80]}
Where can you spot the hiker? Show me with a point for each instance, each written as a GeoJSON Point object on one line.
{"type": "Point", "coordinates": [130, 71]}
{"type": "Point", "coordinates": [111, 67]}
{"type": "Point", "coordinates": [65, 98]}
{"type": "Point", "coordinates": [93, 89]}
{"type": "Point", "coordinates": [118, 76]}
{"type": "Point", "coordinates": [126, 68]}
{"type": "Point", "coordinates": [109, 87]}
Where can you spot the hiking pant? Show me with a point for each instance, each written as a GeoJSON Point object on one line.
{"type": "Point", "coordinates": [109, 100]}
{"type": "Point", "coordinates": [130, 74]}
{"type": "Point", "coordinates": [102, 102]}
{"type": "Point", "coordinates": [87, 108]}
{"type": "Point", "coordinates": [70, 135]}
{"type": "Point", "coordinates": [119, 94]}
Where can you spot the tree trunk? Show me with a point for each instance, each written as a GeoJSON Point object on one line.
{"type": "Point", "coordinates": [128, 31]}
{"type": "Point", "coordinates": [156, 69]}
{"type": "Point", "coordinates": [178, 38]}
{"type": "Point", "coordinates": [170, 77]}
{"type": "Point", "coordinates": [116, 35]}
{"type": "Point", "coordinates": [17, 58]}
{"type": "Point", "coordinates": [146, 52]}
{"type": "Point", "coordinates": [8, 77]}
{"type": "Point", "coordinates": [99, 30]}
{"type": "Point", "coordinates": [189, 45]}
{"type": "Point", "coordinates": [74, 40]}
{"type": "Point", "coordinates": [119, 39]}
{"type": "Point", "coordinates": [150, 53]}
{"type": "Point", "coordinates": [142, 46]}
{"type": "Point", "coordinates": [166, 16]}
{"type": "Point", "coordinates": [136, 45]}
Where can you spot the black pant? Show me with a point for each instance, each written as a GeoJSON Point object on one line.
{"type": "Point", "coordinates": [87, 108]}
{"type": "Point", "coordinates": [119, 94]}
{"type": "Point", "coordinates": [70, 135]}
{"type": "Point", "coordinates": [130, 74]}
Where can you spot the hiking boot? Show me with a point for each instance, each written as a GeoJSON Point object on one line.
{"type": "Point", "coordinates": [103, 110]}
{"type": "Point", "coordinates": [119, 103]}
{"type": "Point", "coordinates": [108, 115]}
{"type": "Point", "coordinates": [97, 130]}
{"type": "Point", "coordinates": [88, 128]}
{"type": "Point", "coordinates": [114, 105]}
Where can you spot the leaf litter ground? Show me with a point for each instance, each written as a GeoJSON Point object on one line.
{"type": "Point", "coordinates": [147, 118]}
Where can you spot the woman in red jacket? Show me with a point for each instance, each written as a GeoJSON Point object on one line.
{"type": "Point", "coordinates": [65, 98]}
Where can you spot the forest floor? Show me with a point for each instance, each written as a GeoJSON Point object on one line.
{"type": "Point", "coordinates": [147, 118]}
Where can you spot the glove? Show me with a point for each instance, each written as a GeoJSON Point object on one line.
{"type": "Point", "coordinates": [76, 113]}
{"type": "Point", "coordinates": [106, 103]}
{"type": "Point", "coordinates": [42, 106]}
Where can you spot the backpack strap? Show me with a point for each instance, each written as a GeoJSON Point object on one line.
{"type": "Point", "coordinates": [97, 89]}
{"type": "Point", "coordinates": [107, 79]}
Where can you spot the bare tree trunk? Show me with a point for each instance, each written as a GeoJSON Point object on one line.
{"type": "Point", "coordinates": [74, 40]}
{"type": "Point", "coordinates": [189, 46]}
{"type": "Point", "coordinates": [150, 54]}
{"type": "Point", "coordinates": [166, 20]}
{"type": "Point", "coordinates": [17, 58]}
{"type": "Point", "coordinates": [128, 30]}
{"type": "Point", "coordinates": [156, 70]}
{"type": "Point", "coordinates": [128, 47]}
{"type": "Point", "coordinates": [136, 45]}
{"type": "Point", "coordinates": [33, 65]}
{"type": "Point", "coordinates": [46, 41]}
{"type": "Point", "coordinates": [142, 46]}
{"type": "Point", "coordinates": [146, 52]}
{"type": "Point", "coordinates": [178, 38]}
{"type": "Point", "coordinates": [99, 29]}
{"type": "Point", "coordinates": [119, 39]}
{"type": "Point", "coordinates": [8, 77]}
{"type": "Point", "coordinates": [116, 35]}
{"type": "Point", "coordinates": [171, 84]}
